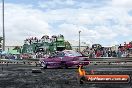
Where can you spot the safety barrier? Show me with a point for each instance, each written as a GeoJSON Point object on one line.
{"type": "Point", "coordinates": [18, 62]}
{"type": "Point", "coordinates": [111, 63]}
{"type": "Point", "coordinates": [93, 61]}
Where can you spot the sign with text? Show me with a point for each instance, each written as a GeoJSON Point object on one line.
{"type": "Point", "coordinates": [107, 78]}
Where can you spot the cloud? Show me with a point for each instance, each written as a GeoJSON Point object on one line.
{"type": "Point", "coordinates": [123, 31]}
{"type": "Point", "coordinates": [72, 31]}
{"type": "Point", "coordinates": [122, 3]}
{"type": "Point", "coordinates": [76, 4]}
{"type": "Point", "coordinates": [56, 4]}
{"type": "Point", "coordinates": [22, 22]}
{"type": "Point", "coordinates": [98, 23]}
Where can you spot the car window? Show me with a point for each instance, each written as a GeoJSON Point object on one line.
{"type": "Point", "coordinates": [52, 55]}
{"type": "Point", "coordinates": [61, 54]}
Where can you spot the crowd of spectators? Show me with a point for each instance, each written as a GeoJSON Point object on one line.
{"type": "Point", "coordinates": [96, 51]}
{"type": "Point", "coordinates": [9, 56]}
{"type": "Point", "coordinates": [106, 52]}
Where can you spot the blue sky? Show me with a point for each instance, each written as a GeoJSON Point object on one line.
{"type": "Point", "coordinates": [107, 22]}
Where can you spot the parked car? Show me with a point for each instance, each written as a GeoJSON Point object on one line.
{"type": "Point", "coordinates": [65, 59]}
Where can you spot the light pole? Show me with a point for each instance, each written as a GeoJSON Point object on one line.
{"type": "Point", "coordinates": [3, 26]}
{"type": "Point", "coordinates": [79, 40]}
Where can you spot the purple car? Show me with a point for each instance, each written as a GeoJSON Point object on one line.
{"type": "Point", "coordinates": [65, 59]}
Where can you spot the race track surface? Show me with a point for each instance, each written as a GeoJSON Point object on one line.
{"type": "Point", "coordinates": [21, 76]}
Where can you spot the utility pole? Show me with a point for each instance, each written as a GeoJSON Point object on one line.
{"type": "Point", "coordinates": [3, 26]}
{"type": "Point", "coordinates": [79, 40]}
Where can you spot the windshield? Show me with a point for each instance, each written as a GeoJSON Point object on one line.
{"type": "Point", "coordinates": [72, 53]}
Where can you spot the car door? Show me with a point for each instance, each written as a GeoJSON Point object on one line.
{"type": "Point", "coordinates": [58, 58]}
{"type": "Point", "coordinates": [53, 61]}
{"type": "Point", "coordinates": [69, 59]}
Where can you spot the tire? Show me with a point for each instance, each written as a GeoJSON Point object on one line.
{"type": "Point", "coordinates": [64, 65]}
{"type": "Point", "coordinates": [36, 71]}
{"type": "Point", "coordinates": [44, 65]}
{"type": "Point", "coordinates": [82, 80]}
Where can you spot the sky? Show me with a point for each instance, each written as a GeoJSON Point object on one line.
{"type": "Point", "coordinates": [106, 22]}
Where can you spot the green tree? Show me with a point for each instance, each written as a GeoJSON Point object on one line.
{"type": "Point", "coordinates": [68, 45]}
{"type": "Point", "coordinates": [1, 38]}
{"type": "Point", "coordinates": [18, 48]}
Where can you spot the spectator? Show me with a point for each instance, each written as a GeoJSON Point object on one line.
{"type": "Point", "coordinates": [119, 53]}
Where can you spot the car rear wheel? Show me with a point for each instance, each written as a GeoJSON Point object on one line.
{"type": "Point", "coordinates": [44, 65]}
{"type": "Point", "coordinates": [64, 65]}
